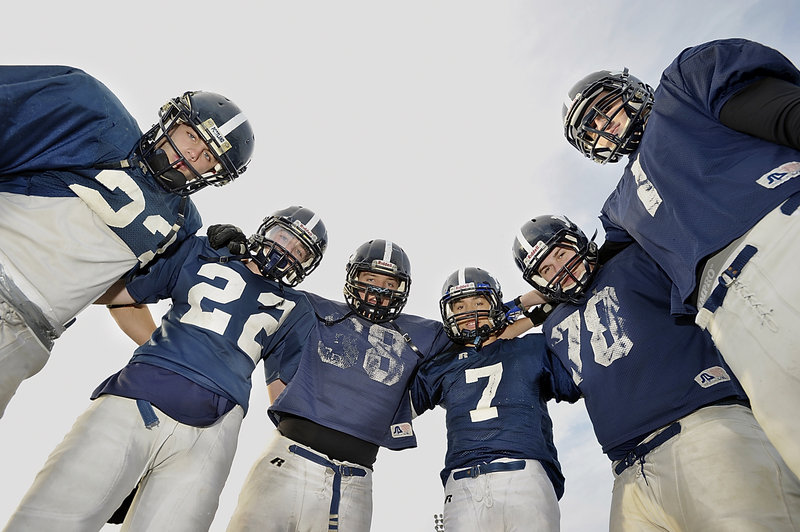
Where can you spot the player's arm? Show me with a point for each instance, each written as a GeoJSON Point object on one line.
{"type": "Point", "coordinates": [133, 318]}
{"type": "Point", "coordinates": [768, 109]}
{"type": "Point", "coordinates": [274, 389]}
{"type": "Point", "coordinates": [527, 311]}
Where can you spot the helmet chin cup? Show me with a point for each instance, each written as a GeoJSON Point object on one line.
{"type": "Point", "coordinates": [275, 264]}
{"type": "Point", "coordinates": [169, 178]}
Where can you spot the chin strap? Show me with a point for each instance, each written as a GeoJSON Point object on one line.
{"type": "Point", "coordinates": [481, 335]}
{"type": "Point", "coordinates": [329, 322]}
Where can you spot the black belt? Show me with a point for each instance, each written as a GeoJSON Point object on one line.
{"type": "Point", "coordinates": [483, 468]}
{"type": "Point", "coordinates": [638, 453]}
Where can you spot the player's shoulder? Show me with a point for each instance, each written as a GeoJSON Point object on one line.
{"type": "Point", "coordinates": [411, 322]}
{"type": "Point", "coordinates": [325, 307]}
{"type": "Point", "coordinates": [444, 361]}
{"type": "Point", "coordinates": [298, 297]}
{"type": "Point", "coordinates": [531, 345]}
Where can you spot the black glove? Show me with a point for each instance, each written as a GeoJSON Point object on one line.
{"type": "Point", "coordinates": [222, 235]}
{"type": "Point", "coordinates": [539, 313]}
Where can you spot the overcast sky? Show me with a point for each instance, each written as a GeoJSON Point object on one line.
{"type": "Point", "coordinates": [433, 123]}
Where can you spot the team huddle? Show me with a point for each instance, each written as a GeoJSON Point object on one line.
{"type": "Point", "coordinates": [676, 331]}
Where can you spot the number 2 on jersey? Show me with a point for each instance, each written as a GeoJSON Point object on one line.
{"type": "Point", "coordinates": [217, 320]}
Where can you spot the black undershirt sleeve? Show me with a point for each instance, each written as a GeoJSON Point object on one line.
{"type": "Point", "coordinates": [768, 109]}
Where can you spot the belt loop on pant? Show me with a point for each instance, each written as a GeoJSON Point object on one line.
{"type": "Point", "coordinates": [148, 414]}
{"type": "Point", "coordinates": [483, 468]}
{"type": "Point", "coordinates": [726, 279]}
{"type": "Point", "coordinates": [791, 204]}
{"type": "Point", "coordinates": [638, 453]}
{"type": "Point", "coordinates": [339, 471]}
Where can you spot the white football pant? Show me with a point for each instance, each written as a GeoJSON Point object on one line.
{"type": "Point", "coordinates": [285, 492]}
{"type": "Point", "coordinates": [719, 474]}
{"type": "Point", "coordinates": [757, 329]}
{"type": "Point", "coordinates": [504, 501]}
{"type": "Point", "coordinates": [182, 470]}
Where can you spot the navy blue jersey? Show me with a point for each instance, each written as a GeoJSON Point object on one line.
{"type": "Point", "coordinates": [59, 117]}
{"type": "Point", "coordinates": [57, 126]}
{"type": "Point", "coordinates": [353, 375]}
{"type": "Point", "coordinates": [638, 367]}
{"type": "Point", "coordinates": [224, 319]}
{"type": "Point", "coordinates": [694, 185]}
{"type": "Point", "coordinates": [496, 402]}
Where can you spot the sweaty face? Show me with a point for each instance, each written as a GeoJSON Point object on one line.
{"type": "Point", "coordinates": [475, 309]}
{"type": "Point", "coordinates": [377, 280]}
{"type": "Point", "coordinates": [190, 146]}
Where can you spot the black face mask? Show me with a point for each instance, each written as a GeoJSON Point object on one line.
{"type": "Point", "coordinates": [169, 178]}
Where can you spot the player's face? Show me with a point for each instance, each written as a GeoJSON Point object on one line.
{"type": "Point", "coordinates": [475, 309]}
{"type": "Point", "coordinates": [290, 243]}
{"type": "Point", "coordinates": [377, 280]}
{"type": "Point", "coordinates": [558, 265]}
{"type": "Point", "coordinates": [610, 117]}
{"type": "Point", "coordinates": [190, 146]}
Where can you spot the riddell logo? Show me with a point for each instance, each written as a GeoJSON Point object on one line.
{"type": "Point", "coordinates": [384, 264]}
{"type": "Point", "coordinates": [303, 228]}
{"type": "Point", "coordinates": [534, 252]}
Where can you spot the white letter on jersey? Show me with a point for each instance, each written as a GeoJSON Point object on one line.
{"type": "Point", "coordinates": [570, 330]}
{"type": "Point", "coordinates": [648, 195]}
{"type": "Point", "coordinates": [609, 341]}
{"type": "Point", "coordinates": [215, 320]}
{"type": "Point", "coordinates": [263, 322]}
{"type": "Point", "coordinates": [118, 180]}
{"type": "Point", "coordinates": [483, 410]}
{"type": "Point", "coordinates": [390, 372]}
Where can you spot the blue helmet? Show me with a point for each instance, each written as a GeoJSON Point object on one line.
{"type": "Point", "coordinates": [289, 244]}
{"type": "Point", "coordinates": [597, 96]}
{"type": "Point", "coordinates": [471, 282]}
{"type": "Point", "coordinates": [216, 120]}
{"type": "Point", "coordinates": [383, 257]}
{"type": "Point", "coordinates": [534, 242]}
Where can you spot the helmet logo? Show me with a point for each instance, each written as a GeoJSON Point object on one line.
{"type": "Point", "coordinates": [534, 253]}
{"type": "Point", "coordinates": [221, 144]}
{"type": "Point", "coordinates": [385, 265]}
{"type": "Point", "coordinates": [461, 287]}
{"type": "Point", "coordinates": [305, 230]}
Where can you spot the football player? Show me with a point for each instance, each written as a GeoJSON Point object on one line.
{"type": "Point", "coordinates": [686, 450]}
{"type": "Point", "coordinates": [710, 191]}
{"type": "Point", "coordinates": [344, 398]}
{"type": "Point", "coordinates": [501, 469]}
{"type": "Point", "coordinates": [85, 196]}
{"type": "Point", "coordinates": [169, 420]}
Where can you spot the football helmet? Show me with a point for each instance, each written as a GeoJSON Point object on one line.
{"type": "Point", "coordinates": [597, 96]}
{"type": "Point", "coordinates": [534, 242]}
{"type": "Point", "coordinates": [289, 244]}
{"type": "Point", "coordinates": [466, 283]}
{"type": "Point", "coordinates": [216, 120]}
{"type": "Point", "coordinates": [385, 258]}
